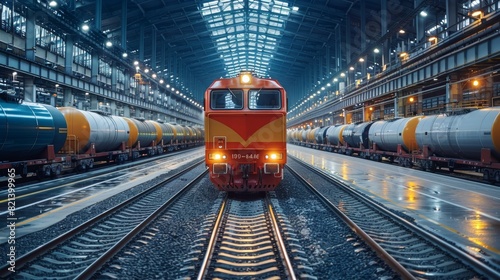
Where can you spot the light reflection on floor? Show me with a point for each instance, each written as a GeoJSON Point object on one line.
{"type": "Point", "coordinates": [463, 211]}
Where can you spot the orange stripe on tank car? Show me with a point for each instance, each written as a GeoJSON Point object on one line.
{"type": "Point", "coordinates": [271, 132]}
{"type": "Point", "coordinates": [495, 133]}
{"type": "Point", "coordinates": [158, 131]}
{"type": "Point", "coordinates": [341, 138]}
{"type": "Point", "coordinates": [134, 133]}
{"type": "Point", "coordinates": [78, 130]}
{"type": "Point", "coordinates": [409, 135]}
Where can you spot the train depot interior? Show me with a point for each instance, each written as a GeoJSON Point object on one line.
{"type": "Point", "coordinates": [395, 102]}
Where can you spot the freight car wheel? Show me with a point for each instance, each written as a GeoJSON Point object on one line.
{"type": "Point", "coordinates": [486, 175]}
{"type": "Point", "coordinates": [56, 171]}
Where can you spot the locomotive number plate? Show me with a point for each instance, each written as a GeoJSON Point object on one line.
{"type": "Point", "coordinates": [245, 156]}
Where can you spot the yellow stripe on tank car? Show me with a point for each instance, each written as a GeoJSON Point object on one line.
{"type": "Point", "coordinates": [341, 137]}
{"type": "Point", "coordinates": [495, 133]}
{"type": "Point", "coordinates": [409, 135]}
{"type": "Point", "coordinates": [271, 132]}
{"type": "Point", "coordinates": [45, 128]}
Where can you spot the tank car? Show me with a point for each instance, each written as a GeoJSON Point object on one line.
{"type": "Point", "coordinates": [468, 140]}
{"type": "Point", "coordinates": [463, 135]}
{"type": "Point", "coordinates": [245, 133]}
{"type": "Point", "coordinates": [38, 138]}
{"type": "Point", "coordinates": [93, 131]}
{"type": "Point", "coordinates": [27, 130]}
{"type": "Point", "coordinates": [387, 135]}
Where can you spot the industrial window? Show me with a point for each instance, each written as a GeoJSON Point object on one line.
{"type": "Point", "coordinates": [263, 99]}
{"type": "Point", "coordinates": [226, 99]}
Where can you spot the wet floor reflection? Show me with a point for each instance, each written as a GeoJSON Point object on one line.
{"type": "Point", "coordinates": [450, 207]}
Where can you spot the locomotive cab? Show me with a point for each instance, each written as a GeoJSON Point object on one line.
{"type": "Point", "coordinates": [245, 133]}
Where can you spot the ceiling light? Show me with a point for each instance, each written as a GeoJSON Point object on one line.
{"type": "Point", "coordinates": [85, 27]}
{"type": "Point", "coordinates": [53, 4]}
{"type": "Point", "coordinates": [423, 13]}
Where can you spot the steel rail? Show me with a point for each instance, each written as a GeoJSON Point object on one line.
{"type": "Point", "coordinates": [389, 260]}
{"type": "Point", "coordinates": [42, 249]}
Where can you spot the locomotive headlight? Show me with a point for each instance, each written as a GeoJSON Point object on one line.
{"type": "Point", "coordinates": [274, 156]}
{"type": "Point", "coordinates": [245, 78]}
{"type": "Point", "coordinates": [216, 156]}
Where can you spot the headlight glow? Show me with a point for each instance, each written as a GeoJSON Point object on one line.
{"type": "Point", "coordinates": [245, 78]}
{"type": "Point", "coordinates": [216, 156]}
{"type": "Point", "coordinates": [274, 156]}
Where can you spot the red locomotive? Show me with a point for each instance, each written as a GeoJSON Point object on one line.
{"type": "Point", "coordinates": [245, 133]}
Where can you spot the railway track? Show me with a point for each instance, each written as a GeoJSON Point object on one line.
{"type": "Point", "coordinates": [250, 239]}
{"type": "Point", "coordinates": [407, 249]}
{"type": "Point", "coordinates": [80, 252]}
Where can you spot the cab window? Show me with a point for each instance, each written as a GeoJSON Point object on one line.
{"type": "Point", "coordinates": [264, 99]}
{"type": "Point", "coordinates": [226, 99]}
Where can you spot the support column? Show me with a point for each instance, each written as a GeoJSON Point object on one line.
{"type": "Point", "coordinates": [68, 60]}
{"type": "Point", "coordinates": [420, 24]}
{"type": "Point", "coordinates": [153, 48]}
{"type": "Point", "coordinates": [114, 77]}
{"type": "Point", "coordinates": [30, 46]}
{"type": "Point", "coordinates": [68, 98]}
{"type": "Point", "coordinates": [94, 67]}
{"type": "Point", "coordinates": [363, 38]}
{"type": "Point", "coordinates": [454, 93]}
{"type": "Point", "coordinates": [29, 89]}
{"type": "Point", "coordinates": [94, 103]}
{"type": "Point", "coordinates": [451, 16]}
{"type": "Point", "coordinates": [123, 30]}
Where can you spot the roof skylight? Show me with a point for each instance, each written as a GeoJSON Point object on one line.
{"type": "Point", "coordinates": [246, 36]}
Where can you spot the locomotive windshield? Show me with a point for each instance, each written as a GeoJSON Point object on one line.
{"type": "Point", "coordinates": [264, 99]}
{"type": "Point", "coordinates": [229, 99]}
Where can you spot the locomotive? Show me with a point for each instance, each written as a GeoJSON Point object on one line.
{"type": "Point", "coordinates": [41, 139]}
{"type": "Point", "coordinates": [467, 139]}
{"type": "Point", "coordinates": [245, 133]}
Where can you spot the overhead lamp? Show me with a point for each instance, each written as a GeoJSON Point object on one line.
{"type": "Point", "coordinates": [351, 68]}
{"type": "Point", "coordinates": [376, 50]}
{"type": "Point", "coordinates": [402, 31]}
{"type": "Point", "coordinates": [403, 55]}
{"type": "Point", "coordinates": [85, 27]}
{"type": "Point", "coordinates": [343, 74]}
{"type": "Point", "coordinates": [53, 4]}
{"type": "Point", "coordinates": [475, 83]}
{"type": "Point", "coordinates": [361, 59]}
{"type": "Point", "coordinates": [124, 55]}
{"type": "Point", "coordinates": [295, 8]}
{"type": "Point", "coordinates": [423, 13]}
{"type": "Point", "coordinates": [433, 39]}
{"type": "Point", "coordinates": [136, 62]}
{"type": "Point", "coordinates": [477, 14]}
{"type": "Point", "coordinates": [109, 44]}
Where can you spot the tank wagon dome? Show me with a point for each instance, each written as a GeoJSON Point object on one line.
{"type": "Point", "coordinates": [388, 134]}
{"type": "Point", "coordinates": [27, 129]}
{"type": "Point", "coordinates": [107, 132]}
{"type": "Point", "coordinates": [461, 136]}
